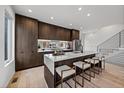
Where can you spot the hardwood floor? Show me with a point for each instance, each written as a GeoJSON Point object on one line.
{"type": "Point", "coordinates": [112, 77]}
{"type": "Point", "coordinates": [30, 78]}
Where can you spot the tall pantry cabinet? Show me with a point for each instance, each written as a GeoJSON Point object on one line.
{"type": "Point", "coordinates": [26, 34]}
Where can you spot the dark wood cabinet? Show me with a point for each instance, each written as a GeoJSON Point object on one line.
{"type": "Point", "coordinates": [46, 31]}
{"type": "Point", "coordinates": [75, 34]}
{"type": "Point", "coordinates": [27, 31]}
{"type": "Point", "coordinates": [52, 32]}
{"type": "Point", "coordinates": [60, 34]}
{"type": "Point", "coordinates": [63, 34]}
{"type": "Point", "coordinates": [67, 34]}
{"type": "Point", "coordinates": [26, 54]}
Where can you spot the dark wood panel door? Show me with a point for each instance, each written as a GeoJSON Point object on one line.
{"type": "Point", "coordinates": [52, 32]}
{"type": "Point", "coordinates": [26, 43]}
{"type": "Point", "coordinates": [67, 35]}
{"type": "Point", "coordinates": [47, 31]}
{"type": "Point", "coordinates": [63, 34]}
{"type": "Point", "coordinates": [74, 34]}
{"type": "Point", "coordinates": [43, 31]}
{"type": "Point", "coordinates": [20, 42]}
{"type": "Point", "coordinates": [31, 47]}
{"type": "Point", "coordinates": [60, 34]}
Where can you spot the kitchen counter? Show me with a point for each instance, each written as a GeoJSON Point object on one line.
{"type": "Point", "coordinates": [66, 56]}
{"type": "Point", "coordinates": [51, 62]}
{"type": "Point", "coordinates": [47, 51]}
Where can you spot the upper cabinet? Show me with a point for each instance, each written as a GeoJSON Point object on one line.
{"type": "Point", "coordinates": [46, 31]}
{"type": "Point", "coordinates": [75, 34]}
{"type": "Point", "coordinates": [49, 31]}
{"type": "Point", "coordinates": [52, 32]}
{"type": "Point", "coordinates": [63, 34]}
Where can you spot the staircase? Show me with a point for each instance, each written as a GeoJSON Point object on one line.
{"type": "Point", "coordinates": [113, 49]}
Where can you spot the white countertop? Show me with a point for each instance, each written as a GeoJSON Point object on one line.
{"type": "Point", "coordinates": [49, 59]}
{"type": "Point", "coordinates": [50, 50]}
{"type": "Point", "coordinates": [68, 55]}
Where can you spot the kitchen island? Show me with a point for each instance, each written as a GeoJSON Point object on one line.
{"type": "Point", "coordinates": [51, 62]}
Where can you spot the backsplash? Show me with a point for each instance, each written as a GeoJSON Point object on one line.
{"type": "Point", "coordinates": [52, 44]}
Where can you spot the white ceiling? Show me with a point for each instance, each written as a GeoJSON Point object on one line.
{"type": "Point", "coordinates": [64, 15]}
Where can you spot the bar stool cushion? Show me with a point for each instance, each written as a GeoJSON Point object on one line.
{"type": "Point", "coordinates": [65, 73]}
{"type": "Point", "coordinates": [80, 63]}
{"type": "Point", "coordinates": [92, 61]}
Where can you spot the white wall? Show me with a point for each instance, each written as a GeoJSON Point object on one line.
{"type": "Point", "coordinates": [97, 36]}
{"type": "Point", "coordinates": [6, 70]}
{"type": "Point", "coordinates": [82, 37]}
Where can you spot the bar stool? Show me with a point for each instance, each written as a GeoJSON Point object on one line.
{"type": "Point", "coordinates": [93, 62]}
{"type": "Point", "coordinates": [83, 66]}
{"type": "Point", "coordinates": [97, 61]}
{"type": "Point", "coordinates": [64, 72]}
{"type": "Point", "coordinates": [102, 60]}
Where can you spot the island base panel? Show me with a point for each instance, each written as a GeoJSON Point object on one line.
{"type": "Point", "coordinates": [49, 77]}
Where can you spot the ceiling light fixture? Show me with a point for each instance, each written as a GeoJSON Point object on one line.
{"type": "Point", "coordinates": [29, 10]}
{"type": "Point", "coordinates": [79, 9]}
{"type": "Point", "coordinates": [51, 18]}
{"type": "Point", "coordinates": [88, 14]}
{"type": "Point", "coordinates": [70, 24]}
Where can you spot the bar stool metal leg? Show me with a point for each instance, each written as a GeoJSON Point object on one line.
{"type": "Point", "coordinates": [82, 75]}
{"type": "Point", "coordinates": [90, 74]}
{"type": "Point", "coordinates": [94, 68]}
{"type": "Point", "coordinates": [61, 80]}
{"type": "Point", "coordinates": [75, 77]}
{"type": "Point", "coordinates": [99, 67]}
{"type": "Point", "coordinates": [104, 63]}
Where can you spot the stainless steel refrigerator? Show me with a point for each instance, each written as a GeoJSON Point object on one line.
{"type": "Point", "coordinates": [77, 46]}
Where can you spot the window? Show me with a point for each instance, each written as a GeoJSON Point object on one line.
{"type": "Point", "coordinates": [7, 37]}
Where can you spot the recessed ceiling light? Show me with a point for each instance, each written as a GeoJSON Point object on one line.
{"type": "Point", "coordinates": [79, 9]}
{"type": "Point", "coordinates": [29, 10]}
{"type": "Point", "coordinates": [88, 14]}
{"type": "Point", "coordinates": [70, 24]}
{"type": "Point", "coordinates": [52, 18]}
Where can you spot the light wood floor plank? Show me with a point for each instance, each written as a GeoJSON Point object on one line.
{"type": "Point", "coordinates": [112, 77]}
